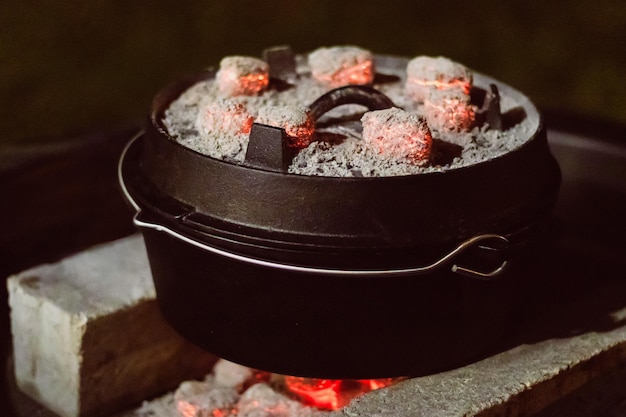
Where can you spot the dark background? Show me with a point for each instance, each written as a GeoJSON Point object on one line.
{"type": "Point", "coordinates": [74, 66]}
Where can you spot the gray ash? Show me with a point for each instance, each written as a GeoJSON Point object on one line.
{"type": "Point", "coordinates": [337, 148]}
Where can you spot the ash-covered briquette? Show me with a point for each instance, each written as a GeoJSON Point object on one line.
{"type": "Point", "coordinates": [242, 75]}
{"type": "Point", "coordinates": [230, 390]}
{"type": "Point", "coordinates": [342, 65]}
{"type": "Point", "coordinates": [235, 390]}
{"type": "Point", "coordinates": [449, 110]}
{"type": "Point", "coordinates": [295, 120]}
{"type": "Point", "coordinates": [204, 398]}
{"type": "Point", "coordinates": [224, 124]}
{"type": "Point", "coordinates": [425, 73]}
{"type": "Point", "coordinates": [397, 135]}
{"type": "Point", "coordinates": [336, 148]}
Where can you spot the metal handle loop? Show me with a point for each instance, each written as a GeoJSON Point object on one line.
{"type": "Point", "coordinates": [343, 272]}
{"type": "Point", "coordinates": [351, 94]}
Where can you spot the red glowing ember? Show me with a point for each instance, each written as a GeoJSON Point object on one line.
{"type": "Point", "coordinates": [194, 400]}
{"type": "Point", "coordinates": [321, 393]}
{"type": "Point", "coordinates": [397, 135]}
{"type": "Point", "coordinates": [342, 65]}
{"type": "Point", "coordinates": [332, 394]}
{"type": "Point", "coordinates": [296, 120]}
{"type": "Point", "coordinates": [449, 110]}
{"type": "Point", "coordinates": [235, 390]}
{"type": "Point", "coordinates": [224, 117]}
{"type": "Point", "coordinates": [240, 75]}
{"type": "Point", "coordinates": [425, 74]}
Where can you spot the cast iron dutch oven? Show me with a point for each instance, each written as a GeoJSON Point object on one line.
{"type": "Point", "coordinates": [338, 277]}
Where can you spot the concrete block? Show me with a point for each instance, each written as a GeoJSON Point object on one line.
{"type": "Point", "coordinates": [88, 338]}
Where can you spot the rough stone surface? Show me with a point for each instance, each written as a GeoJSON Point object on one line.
{"type": "Point", "coordinates": [88, 338]}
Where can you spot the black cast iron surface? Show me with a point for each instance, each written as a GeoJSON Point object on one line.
{"type": "Point", "coordinates": [332, 325]}
{"type": "Point", "coordinates": [386, 214]}
{"type": "Point", "coordinates": [588, 256]}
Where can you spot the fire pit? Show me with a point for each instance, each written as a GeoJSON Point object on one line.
{"type": "Point", "coordinates": [342, 277]}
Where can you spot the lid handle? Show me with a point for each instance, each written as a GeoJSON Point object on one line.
{"type": "Point", "coordinates": [268, 146]}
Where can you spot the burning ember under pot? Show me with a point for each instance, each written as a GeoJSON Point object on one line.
{"type": "Point", "coordinates": [340, 277]}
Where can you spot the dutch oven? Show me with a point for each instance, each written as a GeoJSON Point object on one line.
{"type": "Point", "coordinates": [338, 277]}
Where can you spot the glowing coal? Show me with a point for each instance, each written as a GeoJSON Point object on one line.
{"type": "Point", "coordinates": [224, 124]}
{"type": "Point", "coordinates": [242, 75]}
{"type": "Point", "coordinates": [261, 400]}
{"type": "Point", "coordinates": [204, 398]}
{"type": "Point", "coordinates": [425, 74]}
{"type": "Point", "coordinates": [342, 65]}
{"type": "Point", "coordinates": [397, 135]}
{"type": "Point", "coordinates": [449, 110]}
{"type": "Point", "coordinates": [332, 394]}
{"type": "Point", "coordinates": [296, 120]}
{"type": "Point", "coordinates": [235, 390]}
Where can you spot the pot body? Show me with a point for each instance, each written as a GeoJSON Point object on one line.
{"type": "Point", "coordinates": [327, 326]}
{"type": "Point", "coordinates": [219, 235]}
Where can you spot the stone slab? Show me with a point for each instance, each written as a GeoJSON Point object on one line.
{"type": "Point", "coordinates": [520, 381]}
